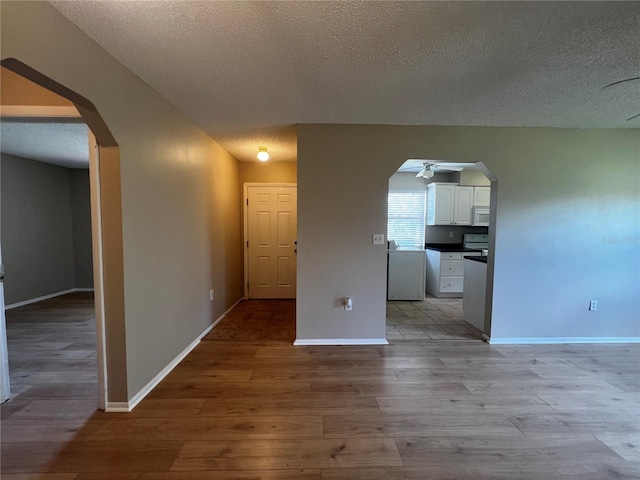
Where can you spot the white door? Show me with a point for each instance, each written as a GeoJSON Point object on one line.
{"type": "Point", "coordinates": [5, 384]}
{"type": "Point", "coordinates": [271, 241]}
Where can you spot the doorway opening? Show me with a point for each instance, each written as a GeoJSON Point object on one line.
{"type": "Point", "coordinates": [32, 99]}
{"type": "Point", "coordinates": [436, 234]}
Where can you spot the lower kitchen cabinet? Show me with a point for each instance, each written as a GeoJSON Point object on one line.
{"type": "Point", "coordinates": [445, 273]}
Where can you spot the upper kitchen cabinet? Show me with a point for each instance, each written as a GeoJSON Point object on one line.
{"type": "Point", "coordinates": [440, 203]}
{"type": "Point", "coordinates": [462, 205]}
{"type": "Point", "coordinates": [481, 196]}
{"type": "Point", "coordinates": [449, 204]}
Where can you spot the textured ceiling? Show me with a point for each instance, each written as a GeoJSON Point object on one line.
{"type": "Point", "coordinates": [64, 144]}
{"type": "Point", "coordinates": [246, 72]}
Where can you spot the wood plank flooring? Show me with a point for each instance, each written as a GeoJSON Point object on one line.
{"type": "Point", "coordinates": [249, 405]}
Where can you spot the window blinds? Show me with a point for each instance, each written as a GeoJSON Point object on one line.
{"type": "Point", "coordinates": [405, 220]}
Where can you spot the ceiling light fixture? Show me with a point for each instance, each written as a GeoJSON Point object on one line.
{"type": "Point", "coordinates": [426, 172]}
{"type": "Point", "coordinates": [263, 155]}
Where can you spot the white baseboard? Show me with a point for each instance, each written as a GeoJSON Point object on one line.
{"type": "Point", "coordinates": [557, 340]}
{"type": "Point", "coordinates": [117, 407]}
{"type": "Point", "coordinates": [144, 391]}
{"type": "Point", "coordinates": [46, 297]}
{"type": "Point", "coordinates": [341, 341]}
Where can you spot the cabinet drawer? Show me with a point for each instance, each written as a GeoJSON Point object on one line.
{"type": "Point", "coordinates": [451, 284]}
{"type": "Point", "coordinates": [451, 256]}
{"type": "Point", "coordinates": [452, 268]}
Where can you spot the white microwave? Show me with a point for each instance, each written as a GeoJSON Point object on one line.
{"type": "Point", "coordinates": [480, 217]}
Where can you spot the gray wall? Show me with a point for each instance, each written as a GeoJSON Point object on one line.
{"type": "Point", "coordinates": [567, 225]}
{"type": "Point", "coordinates": [81, 210]}
{"type": "Point", "coordinates": [37, 229]}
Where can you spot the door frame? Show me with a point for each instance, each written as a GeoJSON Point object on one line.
{"type": "Point", "coordinates": [245, 217]}
{"type": "Point", "coordinates": [5, 383]}
{"type": "Point", "coordinates": [65, 114]}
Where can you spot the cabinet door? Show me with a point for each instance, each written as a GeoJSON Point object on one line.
{"type": "Point", "coordinates": [481, 196]}
{"type": "Point", "coordinates": [463, 204]}
{"type": "Point", "coordinates": [444, 202]}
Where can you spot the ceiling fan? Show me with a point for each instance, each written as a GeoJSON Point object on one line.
{"type": "Point", "coordinates": [430, 168]}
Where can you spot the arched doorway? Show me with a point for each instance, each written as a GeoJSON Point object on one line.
{"type": "Point", "coordinates": [106, 220]}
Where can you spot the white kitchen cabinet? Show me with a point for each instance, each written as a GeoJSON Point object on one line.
{"type": "Point", "coordinates": [481, 196]}
{"type": "Point", "coordinates": [449, 204]}
{"type": "Point", "coordinates": [462, 205]}
{"type": "Point", "coordinates": [440, 203]}
{"type": "Point", "coordinates": [445, 273]}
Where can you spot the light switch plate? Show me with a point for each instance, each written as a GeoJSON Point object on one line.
{"type": "Point", "coordinates": [378, 238]}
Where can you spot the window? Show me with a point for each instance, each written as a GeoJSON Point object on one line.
{"type": "Point", "coordinates": [405, 218]}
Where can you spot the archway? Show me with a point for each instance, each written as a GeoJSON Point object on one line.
{"type": "Point", "coordinates": [106, 219]}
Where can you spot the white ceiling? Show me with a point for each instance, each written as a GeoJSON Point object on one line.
{"type": "Point", "coordinates": [64, 144]}
{"type": "Point", "coordinates": [246, 72]}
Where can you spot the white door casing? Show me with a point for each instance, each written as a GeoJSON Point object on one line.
{"type": "Point", "coordinates": [5, 384]}
{"type": "Point", "coordinates": [271, 240]}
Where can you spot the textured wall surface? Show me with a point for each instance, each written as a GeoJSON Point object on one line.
{"type": "Point", "coordinates": [37, 229]}
{"type": "Point", "coordinates": [81, 209]}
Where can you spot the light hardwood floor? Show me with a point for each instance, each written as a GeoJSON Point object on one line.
{"type": "Point", "coordinates": [413, 410]}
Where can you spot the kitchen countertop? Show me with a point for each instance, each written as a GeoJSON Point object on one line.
{"type": "Point", "coordinates": [478, 258]}
{"type": "Point", "coordinates": [450, 247]}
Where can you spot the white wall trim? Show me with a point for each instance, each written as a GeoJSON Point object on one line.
{"type": "Point", "coordinates": [117, 407]}
{"type": "Point", "coordinates": [144, 391]}
{"type": "Point", "coordinates": [557, 340]}
{"type": "Point", "coordinates": [46, 297]}
{"type": "Point", "coordinates": [341, 341]}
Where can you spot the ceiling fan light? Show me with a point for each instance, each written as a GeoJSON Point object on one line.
{"type": "Point", "coordinates": [263, 155]}
{"type": "Point", "coordinates": [428, 173]}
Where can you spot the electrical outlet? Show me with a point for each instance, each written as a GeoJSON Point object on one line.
{"type": "Point", "coordinates": [593, 305]}
{"type": "Point", "coordinates": [378, 238]}
{"type": "Point", "coordinates": [450, 234]}
{"type": "Point", "coordinates": [211, 296]}
{"type": "Point", "coordinates": [348, 304]}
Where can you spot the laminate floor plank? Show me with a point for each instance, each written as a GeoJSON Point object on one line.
{"type": "Point", "coordinates": [577, 423]}
{"type": "Point", "coordinates": [299, 474]}
{"type": "Point", "coordinates": [58, 408]}
{"type": "Point", "coordinates": [460, 425]}
{"type": "Point", "coordinates": [284, 454]}
{"type": "Point", "coordinates": [609, 470]}
{"type": "Point", "coordinates": [450, 472]}
{"type": "Point", "coordinates": [85, 456]}
{"type": "Point", "coordinates": [463, 403]}
{"type": "Point", "coordinates": [40, 476]}
{"type": "Point", "coordinates": [570, 402]}
{"type": "Point", "coordinates": [512, 450]}
{"type": "Point", "coordinates": [435, 388]}
{"type": "Point", "coordinates": [208, 428]}
{"type": "Point", "coordinates": [627, 445]}
{"type": "Point", "coordinates": [542, 386]}
{"type": "Point", "coordinates": [291, 405]}
{"type": "Point", "coordinates": [226, 389]}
